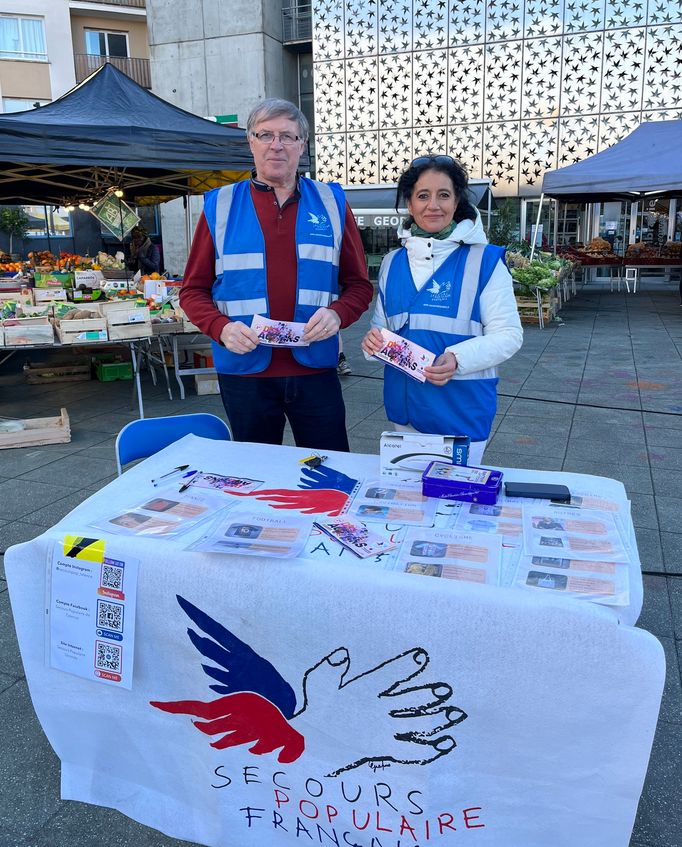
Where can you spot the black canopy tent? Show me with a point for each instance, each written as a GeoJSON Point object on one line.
{"type": "Point", "coordinates": [109, 132]}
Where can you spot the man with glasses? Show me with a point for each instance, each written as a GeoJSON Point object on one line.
{"type": "Point", "coordinates": [287, 248]}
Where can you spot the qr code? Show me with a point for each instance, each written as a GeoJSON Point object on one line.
{"type": "Point", "coordinates": [110, 616]}
{"type": "Point", "coordinates": [108, 657]}
{"type": "Point", "coordinates": [112, 577]}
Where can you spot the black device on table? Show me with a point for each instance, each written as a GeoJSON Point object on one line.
{"type": "Point", "coordinates": [538, 491]}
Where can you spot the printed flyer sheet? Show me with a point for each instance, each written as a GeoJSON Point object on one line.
{"type": "Point", "coordinates": [583, 534]}
{"type": "Point", "coordinates": [279, 333]}
{"type": "Point", "coordinates": [393, 502]}
{"type": "Point", "coordinates": [503, 518]}
{"type": "Point", "coordinates": [407, 357]}
{"type": "Point", "coordinates": [322, 548]}
{"type": "Point", "coordinates": [166, 514]}
{"type": "Point", "coordinates": [226, 484]}
{"type": "Point", "coordinates": [602, 582]}
{"type": "Point", "coordinates": [90, 601]}
{"type": "Point", "coordinates": [356, 537]}
{"type": "Point", "coordinates": [452, 555]}
{"type": "Point", "coordinates": [256, 534]}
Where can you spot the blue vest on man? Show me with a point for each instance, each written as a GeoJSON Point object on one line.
{"type": "Point", "coordinates": [444, 312]}
{"type": "Point", "coordinates": [241, 290]}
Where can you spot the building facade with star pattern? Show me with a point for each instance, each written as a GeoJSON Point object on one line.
{"type": "Point", "coordinates": [512, 88]}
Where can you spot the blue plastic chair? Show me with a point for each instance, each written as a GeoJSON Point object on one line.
{"type": "Point", "coordinates": [141, 439]}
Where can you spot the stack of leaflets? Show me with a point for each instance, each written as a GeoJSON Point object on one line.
{"type": "Point", "coordinates": [407, 357]}
{"type": "Point", "coordinates": [393, 502]}
{"type": "Point", "coordinates": [279, 333]}
{"type": "Point", "coordinates": [355, 537]}
{"type": "Point", "coordinates": [256, 534]}
{"type": "Point", "coordinates": [452, 555]}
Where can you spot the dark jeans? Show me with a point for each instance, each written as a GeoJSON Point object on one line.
{"type": "Point", "coordinates": [257, 407]}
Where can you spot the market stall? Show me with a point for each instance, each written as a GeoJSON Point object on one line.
{"type": "Point", "coordinates": [249, 697]}
{"type": "Point", "coordinates": [138, 149]}
{"type": "Point", "coordinates": [644, 165]}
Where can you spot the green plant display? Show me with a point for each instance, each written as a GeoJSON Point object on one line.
{"type": "Point", "coordinates": [14, 221]}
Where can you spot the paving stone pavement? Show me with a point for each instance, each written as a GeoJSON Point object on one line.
{"type": "Point", "coordinates": [599, 393]}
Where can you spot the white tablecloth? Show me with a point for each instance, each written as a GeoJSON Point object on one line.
{"type": "Point", "coordinates": [518, 719]}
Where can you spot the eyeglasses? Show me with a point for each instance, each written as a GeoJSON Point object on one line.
{"type": "Point", "coordinates": [269, 137]}
{"type": "Point", "coordinates": [424, 160]}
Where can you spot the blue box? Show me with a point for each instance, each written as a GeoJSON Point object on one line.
{"type": "Point", "coordinates": [466, 484]}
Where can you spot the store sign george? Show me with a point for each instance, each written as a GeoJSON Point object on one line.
{"type": "Point", "coordinates": [379, 220]}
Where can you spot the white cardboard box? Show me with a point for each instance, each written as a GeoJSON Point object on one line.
{"type": "Point", "coordinates": [406, 455]}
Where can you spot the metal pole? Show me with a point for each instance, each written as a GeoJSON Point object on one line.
{"type": "Point", "coordinates": [534, 235]}
{"type": "Point", "coordinates": [522, 219]}
{"type": "Point", "coordinates": [186, 202]}
{"type": "Point", "coordinates": [47, 229]}
{"type": "Point", "coordinates": [556, 224]}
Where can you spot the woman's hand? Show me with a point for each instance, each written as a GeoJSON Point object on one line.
{"type": "Point", "coordinates": [442, 370]}
{"type": "Point", "coordinates": [373, 341]}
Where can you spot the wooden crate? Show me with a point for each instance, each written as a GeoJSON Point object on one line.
{"type": "Point", "coordinates": [166, 328]}
{"type": "Point", "coordinates": [39, 431]}
{"type": "Point", "coordinates": [29, 311]}
{"type": "Point", "coordinates": [47, 295]}
{"type": "Point", "coordinates": [82, 331]}
{"type": "Point", "coordinates": [124, 324]}
{"type": "Point", "coordinates": [78, 370]}
{"type": "Point", "coordinates": [29, 331]}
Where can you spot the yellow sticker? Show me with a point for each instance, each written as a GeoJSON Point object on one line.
{"type": "Point", "coordinates": [78, 547]}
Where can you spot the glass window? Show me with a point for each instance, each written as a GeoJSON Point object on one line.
{"type": "Point", "coordinates": [22, 38]}
{"type": "Point", "coordinates": [106, 44]}
{"type": "Point", "coordinates": [41, 217]}
{"type": "Point", "coordinates": [10, 104]}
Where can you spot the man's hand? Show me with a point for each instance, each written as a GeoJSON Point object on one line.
{"type": "Point", "coordinates": [373, 341]}
{"type": "Point", "coordinates": [442, 370]}
{"type": "Point", "coordinates": [324, 324]}
{"type": "Point", "coordinates": [237, 337]}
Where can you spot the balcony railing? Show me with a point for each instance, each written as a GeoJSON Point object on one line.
{"type": "Point", "coordinates": [297, 24]}
{"type": "Point", "coordinates": [140, 4]}
{"type": "Point", "coordinates": [137, 69]}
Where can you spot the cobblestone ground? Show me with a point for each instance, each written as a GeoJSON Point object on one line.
{"type": "Point", "coordinates": [600, 393]}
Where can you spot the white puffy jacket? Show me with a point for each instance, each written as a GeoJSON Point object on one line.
{"type": "Point", "coordinates": [502, 333]}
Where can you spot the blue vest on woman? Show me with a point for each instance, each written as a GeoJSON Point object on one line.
{"type": "Point", "coordinates": [444, 312]}
{"type": "Point", "coordinates": [241, 290]}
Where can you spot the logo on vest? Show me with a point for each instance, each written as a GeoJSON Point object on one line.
{"type": "Point", "coordinates": [319, 222]}
{"type": "Point", "coordinates": [440, 290]}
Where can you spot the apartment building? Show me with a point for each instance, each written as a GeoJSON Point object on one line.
{"type": "Point", "coordinates": [47, 46]}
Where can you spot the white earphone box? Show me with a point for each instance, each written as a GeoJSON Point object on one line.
{"type": "Point", "coordinates": [406, 455]}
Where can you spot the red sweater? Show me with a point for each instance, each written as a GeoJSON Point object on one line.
{"type": "Point", "coordinates": [279, 230]}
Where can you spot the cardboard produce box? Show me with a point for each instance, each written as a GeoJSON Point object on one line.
{"type": "Point", "coordinates": [53, 280]}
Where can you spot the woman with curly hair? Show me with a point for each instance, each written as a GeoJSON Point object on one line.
{"type": "Point", "coordinates": [448, 290]}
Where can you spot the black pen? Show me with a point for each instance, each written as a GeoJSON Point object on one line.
{"type": "Point", "coordinates": [188, 483]}
{"type": "Point", "coordinates": [179, 469]}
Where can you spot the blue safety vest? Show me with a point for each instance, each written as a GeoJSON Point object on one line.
{"type": "Point", "coordinates": [444, 312]}
{"type": "Point", "coordinates": [241, 290]}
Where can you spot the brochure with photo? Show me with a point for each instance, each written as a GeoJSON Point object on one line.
{"type": "Point", "coordinates": [322, 548]}
{"type": "Point", "coordinates": [573, 533]}
{"type": "Point", "coordinates": [166, 514]}
{"type": "Point", "coordinates": [452, 555]}
{"type": "Point", "coordinates": [404, 355]}
{"type": "Point", "coordinates": [356, 537]}
{"type": "Point", "coordinates": [278, 333]}
{"type": "Point", "coordinates": [246, 533]}
{"type": "Point", "coordinates": [502, 518]}
{"type": "Point", "coordinates": [601, 582]}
